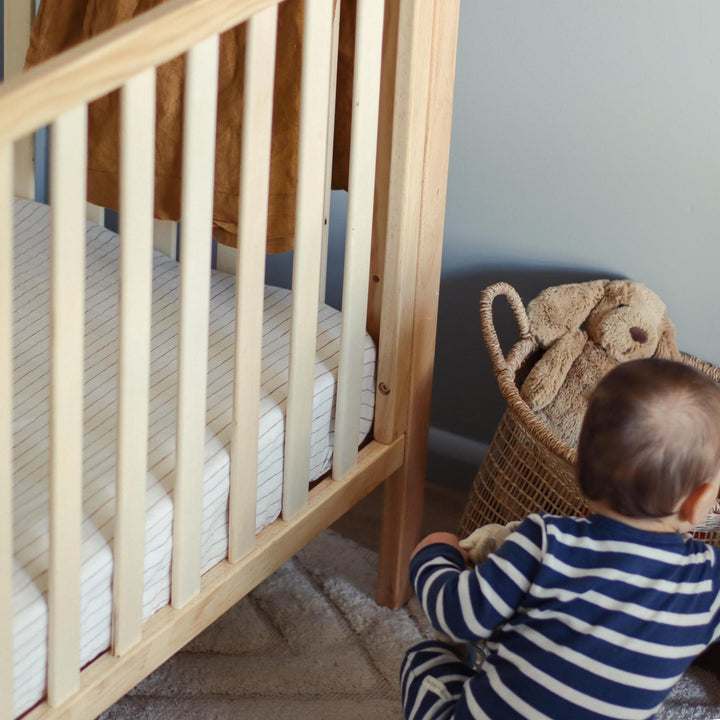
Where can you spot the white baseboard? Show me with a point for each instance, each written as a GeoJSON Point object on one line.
{"type": "Point", "coordinates": [458, 447]}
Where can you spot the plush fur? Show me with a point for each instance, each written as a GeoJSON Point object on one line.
{"type": "Point", "coordinates": [587, 329]}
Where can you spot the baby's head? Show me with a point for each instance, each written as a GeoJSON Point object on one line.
{"type": "Point", "coordinates": [650, 437]}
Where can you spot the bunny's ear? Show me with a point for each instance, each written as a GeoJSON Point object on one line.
{"type": "Point", "coordinates": [563, 309]}
{"type": "Point", "coordinates": [667, 343]}
{"type": "Point", "coordinates": [549, 372]}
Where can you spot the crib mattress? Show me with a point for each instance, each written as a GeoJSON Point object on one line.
{"type": "Point", "coordinates": [31, 432]}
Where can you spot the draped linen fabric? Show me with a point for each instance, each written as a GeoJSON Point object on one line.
{"type": "Point", "coordinates": [60, 24]}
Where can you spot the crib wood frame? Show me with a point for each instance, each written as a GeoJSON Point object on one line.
{"type": "Point", "coordinates": [404, 491]}
{"type": "Point", "coordinates": [402, 286]}
{"type": "Point", "coordinates": [6, 403]}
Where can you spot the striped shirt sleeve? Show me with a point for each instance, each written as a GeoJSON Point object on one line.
{"type": "Point", "coordinates": [469, 604]}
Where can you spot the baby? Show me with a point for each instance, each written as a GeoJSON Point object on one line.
{"type": "Point", "coordinates": [587, 617]}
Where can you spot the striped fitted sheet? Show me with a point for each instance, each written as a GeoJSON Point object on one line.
{"type": "Point", "coordinates": [31, 432]}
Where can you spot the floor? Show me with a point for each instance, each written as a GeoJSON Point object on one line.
{"type": "Point", "coordinates": [443, 509]}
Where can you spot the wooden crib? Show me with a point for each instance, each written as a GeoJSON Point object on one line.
{"type": "Point", "coordinates": [403, 83]}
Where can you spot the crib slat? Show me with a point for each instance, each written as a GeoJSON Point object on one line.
{"type": "Point", "coordinates": [329, 159]}
{"type": "Point", "coordinates": [67, 188]}
{"type": "Point", "coordinates": [166, 237]}
{"type": "Point", "coordinates": [18, 16]}
{"type": "Point", "coordinates": [136, 229]}
{"type": "Point", "coordinates": [6, 408]}
{"type": "Point", "coordinates": [197, 205]}
{"type": "Point", "coordinates": [226, 258]}
{"type": "Point", "coordinates": [254, 187]}
{"type": "Point", "coordinates": [366, 99]}
{"type": "Point", "coordinates": [308, 238]}
{"type": "Point", "coordinates": [95, 213]}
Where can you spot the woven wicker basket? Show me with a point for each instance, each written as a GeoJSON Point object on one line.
{"type": "Point", "coordinates": [527, 467]}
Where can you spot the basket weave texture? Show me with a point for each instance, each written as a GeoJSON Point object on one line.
{"type": "Point", "coordinates": [527, 467]}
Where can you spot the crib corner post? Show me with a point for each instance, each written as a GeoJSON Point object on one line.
{"type": "Point", "coordinates": [404, 490]}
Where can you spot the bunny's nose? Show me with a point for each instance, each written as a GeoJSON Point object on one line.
{"type": "Point", "coordinates": [638, 335]}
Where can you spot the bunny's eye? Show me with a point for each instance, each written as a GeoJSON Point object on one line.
{"type": "Point", "coordinates": [623, 305]}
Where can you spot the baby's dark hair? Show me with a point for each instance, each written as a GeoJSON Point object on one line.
{"type": "Point", "coordinates": [650, 437]}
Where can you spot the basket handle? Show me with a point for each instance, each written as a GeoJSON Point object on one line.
{"type": "Point", "coordinates": [506, 366]}
{"type": "Point", "coordinates": [487, 297]}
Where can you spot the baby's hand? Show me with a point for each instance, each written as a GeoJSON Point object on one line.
{"type": "Point", "coordinates": [440, 537]}
{"type": "Point", "coordinates": [485, 540]}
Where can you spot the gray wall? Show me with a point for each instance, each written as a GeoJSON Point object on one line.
{"type": "Point", "coordinates": [585, 144]}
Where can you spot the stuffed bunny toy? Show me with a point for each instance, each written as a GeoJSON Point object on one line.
{"type": "Point", "coordinates": [587, 329]}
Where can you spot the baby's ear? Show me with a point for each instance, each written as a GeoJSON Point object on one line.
{"type": "Point", "coordinates": [667, 343]}
{"type": "Point", "coordinates": [695, 507]}
{"type": "Point", "coordinates": [562, 309]}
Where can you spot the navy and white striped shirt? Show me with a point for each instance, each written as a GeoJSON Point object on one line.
{"type": "Point", "coordinates": [585, 617]}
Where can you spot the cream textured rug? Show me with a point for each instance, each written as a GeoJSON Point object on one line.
{"type": "Point", "coordinates": [311, 644]}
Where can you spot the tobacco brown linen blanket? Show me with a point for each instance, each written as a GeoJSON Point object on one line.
{"type": "Point", "coordinates": [60, 24]}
